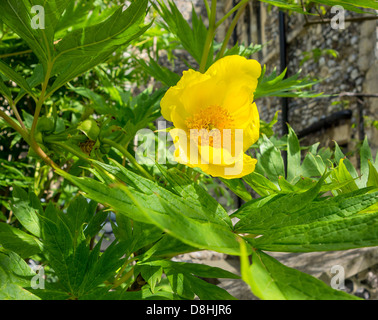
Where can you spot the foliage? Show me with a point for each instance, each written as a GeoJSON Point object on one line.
{"type": "Point", "coordinates": [75, 97]}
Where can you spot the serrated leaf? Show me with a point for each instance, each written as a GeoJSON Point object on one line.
{"type": "Point", "coordinates": [356, 231]}
{"type": "Point", "coordinates": [261, 219]}
{"type": "Point", "coordinates": [265, 219]}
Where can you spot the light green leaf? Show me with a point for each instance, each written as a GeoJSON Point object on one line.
{"type": "Point", "coordinates": [373, 176]}
{"type": "Point", "coordinates": [271, 280]}
{"type": "Point", "coordinates": [293, 157]}
{"type": "Point", "coordinates": [15, 275]}
{"type": "Point", "coordinates": [365, 156]}
{"type": "Point", "coordinates": [342, 174]}
{"type": "Point", "coordinates": [260, 184]}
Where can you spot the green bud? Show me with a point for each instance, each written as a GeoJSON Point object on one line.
{"type": "Point", "coordinates": [90, 129]}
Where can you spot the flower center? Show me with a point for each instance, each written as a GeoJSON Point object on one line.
{"type": "Point", "coordinates": [211, 124]}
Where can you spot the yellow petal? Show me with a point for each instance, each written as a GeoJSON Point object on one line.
{"type": "Point", "coordinates": [237, 170]}
{"type": "Point", "coordinates": [241, 76]}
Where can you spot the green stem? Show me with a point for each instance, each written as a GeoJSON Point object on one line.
{"type": "Point", "coordinates": [125, 277]}
{"type": "Point", "coordinates": [128, 155]}
{"type": "Point", "coordinates": [37, 149]}
{"type": "Point", "coordinates": [209, 37]}
{"type": "Point", "coordinates": [207, 9]}
{"type": "Point", "coordinates": [41, 100]}
{"type": "Point", "coordinates": [14, 125]}
{"type": "Point", "coordinates": [230, 31]}
{"type": "Point", "coordinates": [15, 111]}
{"type": "Point", "coordinates": [80, 155]}
{"type": "Point", "coordinates": [230, 12]}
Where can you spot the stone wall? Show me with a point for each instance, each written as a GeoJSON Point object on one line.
{"type": "Point", "coordinates": [354, 70]}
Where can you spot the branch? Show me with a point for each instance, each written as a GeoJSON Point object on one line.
{"type": "Point", "coordinates": [325, 21]}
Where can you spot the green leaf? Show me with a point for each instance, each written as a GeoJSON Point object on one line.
{"type": "Point", "coordinates": [18, 241]}
{"type": "Point", "coordinates": [271, 280]}
{"type": "Point", "coordinates": [275, 213]}
{"type": "Point", "coordinates": [82, 49]}
{"type": "Point", "coordinates": [26, 208]}
{"type": "Point", "coordinates": [355, 231]}
{"type": "Point", "coordinates": [340, 156]}
{"type": "Point", "coordinates": [152, 274]}
{"type": "Point", "coordinates": [284, 4]}
{"type": "Point", "coordinates": [188, 222]}
{"type": "Point", "coordinates": [4, 90]}
{"type": "Point", "coordinates": [270, 160]}
{"type": "Point", "coordinates": [192, 38]}
{"type": "Point", "coordinates": [237, 186]}
{"type": "Point", "coordinates": [342, 174]}
{"type": "Point", "coordinates": [159, 72]}
{"type": "Point", "coordinates": [373, 176]}
{"type": "Point", "coordinates": [167, 247]}
{"type": "Point", "coordinates": [136, 233]}
{"type": "Point", "coordinates": [14, 76]}
{"type": "Point", "coordinates": [102, 267]}
{"type": "Point", "coordinates": [184, 280]}
{"type": "Point", "coordinates": [293, 157]}
{"type": "Point", "coordinates": [264, 220]}
{"type": "Point", "coordinates": [183, 186]}
{"type": "Point", "coordinates": [278, 86]}
{"type": "Point", "coordinates": [15, 274]}
{"type": "Point", "coordinates": [365, 156]}
{"type": "Point", "coordinates": [260, 184]}
{"type": "Point", "coordinates": [351, 5]}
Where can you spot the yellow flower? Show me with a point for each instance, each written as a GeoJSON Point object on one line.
{"type": "Point", "coordinates": [215, 118]}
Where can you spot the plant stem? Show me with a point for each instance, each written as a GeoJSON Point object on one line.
{"type": "Point", "coordinates": [7, 55]}
{"type": "Point", "coordinates": [41, 100]}
{"type": "Point", "coordinates": [37, 149]}
{"type": "Point", "coordinates": [125, 277]}
{"type": "Point", "coordinates": [77, 153]}
{"type": "Point", "coordinates": [231, 30]}
{"type": "Point", "coordinates": [209, 37]}
{"type": "Point", "coordinates": [14, 125]}
{"type": "Point", "coordinates": [15, 111]}
{"type": "Point", "coordinates": [128, 156]}
{"type": "Point", "coordinates": [207, 9]}
{"type": "Point", "coordinates": [230, 12]}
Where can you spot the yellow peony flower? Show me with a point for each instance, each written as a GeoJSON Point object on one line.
{"type": "Point", "coordinates": [215, 118]}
